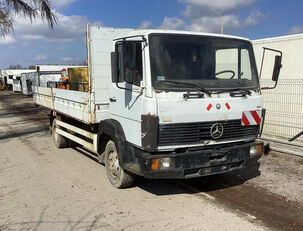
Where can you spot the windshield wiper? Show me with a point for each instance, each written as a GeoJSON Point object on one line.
{"type": "Point", "coordinates": [235, 91]}
{"type": "Point", "coordinates": [196, 86]}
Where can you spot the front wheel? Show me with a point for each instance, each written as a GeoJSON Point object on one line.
{"type": "Point", "coordinates": [116, 175]}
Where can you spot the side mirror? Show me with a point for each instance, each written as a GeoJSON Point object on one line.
{"type": "Point", "coordinates": [277, 67]}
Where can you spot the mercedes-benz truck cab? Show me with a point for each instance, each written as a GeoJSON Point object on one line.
{"type": "Point", "coordinates": [166, 104]}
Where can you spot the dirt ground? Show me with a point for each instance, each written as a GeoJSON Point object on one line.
{"type": "Point", "coordinates": [43, 188]}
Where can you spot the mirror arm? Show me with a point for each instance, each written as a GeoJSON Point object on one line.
{"type": "Point", "coordinates": [269, 88]}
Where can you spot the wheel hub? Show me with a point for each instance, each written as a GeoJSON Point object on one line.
{"type": "Point", "coordinates": [113, 164]}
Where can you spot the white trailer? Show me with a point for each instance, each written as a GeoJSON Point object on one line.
{"type": "Point", "coordinates": [44, 78]}
{"type": "Point", "coordinates": [284, 104]}
{"type": "Point", "coordinates": [12, 77]}
{"type": "Point", "coordinates": [162, 104]}
{"type": "Point", "coordinates": [27, 82]}
{"type": "Point", "coordinates": [17, 84]}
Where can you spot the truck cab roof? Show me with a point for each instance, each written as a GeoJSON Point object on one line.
{"type": "Point", "coordinates": [146, 32]}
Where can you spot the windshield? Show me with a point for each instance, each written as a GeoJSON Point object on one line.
{"type": "Point", "coordinates": [208, 62]}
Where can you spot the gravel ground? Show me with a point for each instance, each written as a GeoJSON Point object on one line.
{"type": "Point", "coordinates": [43, 188]}
{"type": "Point", "coordinates": [282, 175]}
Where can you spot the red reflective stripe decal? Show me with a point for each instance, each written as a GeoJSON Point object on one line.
{"type": "Point", "coordinates": [256, 117]}
{"type": "Point", "coordinates": [245, 121]}
{"type": "Point", "coordinates": [227, 106]}
{"type": "Point", "coordinates": [209, 107]}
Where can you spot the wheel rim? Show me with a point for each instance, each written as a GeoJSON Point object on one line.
{"type": "Point", "coordinates": [114, 169]}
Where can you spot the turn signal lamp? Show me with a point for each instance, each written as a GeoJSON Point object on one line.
{"type": "Point", "coordinates": [256, 150]}
{"type": "Point", "coordinates": [162, 163]}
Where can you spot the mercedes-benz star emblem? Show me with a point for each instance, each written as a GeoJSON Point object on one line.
{"type": "Point", "coordinates": [216, 131]}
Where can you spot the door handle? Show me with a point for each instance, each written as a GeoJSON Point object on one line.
{"type": "Point", "coordinates": [113, 99]}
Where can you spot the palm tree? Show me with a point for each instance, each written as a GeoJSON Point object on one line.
{"type": "Point", "coordinates": [28, 8]}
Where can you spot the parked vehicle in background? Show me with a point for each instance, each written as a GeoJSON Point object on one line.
{"type": "Point", "coordinates": [163, 104]}
{"type": "Point", "coordinates": [12, 78]}
{"type": "Point", "coordinates": [27, 81]}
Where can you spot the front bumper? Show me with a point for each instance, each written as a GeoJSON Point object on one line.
{"type": "Point", "coordinates": [196, 163]}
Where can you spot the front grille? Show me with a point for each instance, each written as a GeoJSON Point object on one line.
{"type": "Point", "coordinates": [192, 133]}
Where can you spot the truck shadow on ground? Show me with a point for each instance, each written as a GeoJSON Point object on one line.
{"type": "Point", "coordinates": [196, 185]}
{"type": "Point", "coordinates": [26, 109]}
{"type": "Point", "coordinates": [31, 132]}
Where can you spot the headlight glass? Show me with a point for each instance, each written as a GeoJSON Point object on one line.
{"type": "Point", "coordinates": [256, 149]}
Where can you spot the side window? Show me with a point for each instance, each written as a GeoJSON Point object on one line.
{"type": "Point", "coordinates": [128, 62]}
{"type": "Point", "coordinates": [132, 62]}
{"type": "Point", "coordinates": [245, 65]}
{"type": "Point", "coordinates": [138, 64]}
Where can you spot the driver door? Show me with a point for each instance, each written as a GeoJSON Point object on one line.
{"type": "Point", "coordinates": [126, 95]}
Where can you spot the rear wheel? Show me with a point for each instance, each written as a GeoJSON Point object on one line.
{"type": "Point", "coordinates": [116, 175]}
{"type": "Point", "coordinates": [59, 140]}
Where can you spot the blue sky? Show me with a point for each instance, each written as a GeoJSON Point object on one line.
{"type": "Point", "coordinates": [35, 43]}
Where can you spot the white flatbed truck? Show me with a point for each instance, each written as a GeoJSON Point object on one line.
{"type": "Point", "coordinates": [163, 104]}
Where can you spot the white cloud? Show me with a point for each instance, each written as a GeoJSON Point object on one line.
{"type": "Point", "coordinates": [97, 23]}
{"type": "Point", "coordinates": [214, 6]}
{"type": "Point", "coordinates": [61, 48]}
{"type": "Point", "coordinates": [67, 59]}
{"type": "Point", "coordinates": [31, 37]}
{"type": "Point", "coordinates": [145, 24]}
{"type": "Point", "coordinates": [68, 29]}
{"type": "Point", "coordinates": [254, 18]}
{"type": "Point", "coordinates": [230, 22]}
{"type": "Point", "coordinates": [62, 3]}
{"type": "Point", "coordinates": [296, 30]}
{"type": "Point", "coordinates": [213, 24]}
{"type": "Point", "coordinates": [7, 40]}
{"type": "Point", "coordinates": [40, 44]}
{"type": "Point", "coordinates": [209, 15]}
{"type": "Point", "coordinates": [40, 57]}
{"type": "Point", "coordinates": [173, 23]}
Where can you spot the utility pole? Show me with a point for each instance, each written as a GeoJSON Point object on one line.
{"type": "Point", "coordinates": [222, 28]}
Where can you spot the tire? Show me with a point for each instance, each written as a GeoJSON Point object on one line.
{"type": "Point", "coordinates": [72, 144]}
{"type": "Point", "coordinates": [116, 175]}
{"type": "Point", "coordinates": [59, 140]}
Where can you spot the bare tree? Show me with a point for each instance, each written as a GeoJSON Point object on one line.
{"type": "Point", "coordinates": [28, 8]}
{"type": "Point", "coordinates": [18, 66]}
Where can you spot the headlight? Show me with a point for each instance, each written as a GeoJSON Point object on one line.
{"type": "Point", "coordinates": [162, 163]}
{"type": "Point", "coordinates": [256, 150]}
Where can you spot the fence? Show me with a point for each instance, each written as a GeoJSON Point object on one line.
{"type": "Point", "coordinates": [284, 109]}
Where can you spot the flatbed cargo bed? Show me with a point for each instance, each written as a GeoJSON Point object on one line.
{"type": "Point", "coordinates": [75, 104]}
